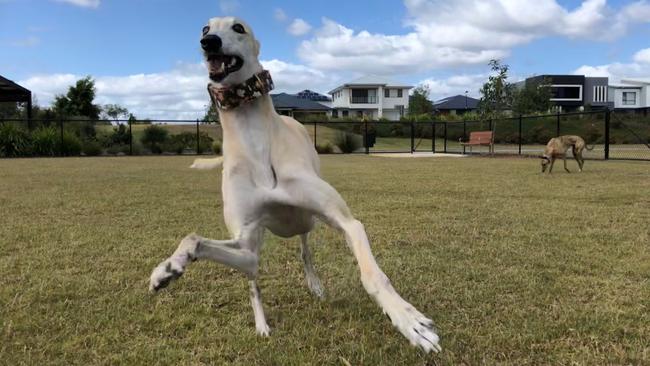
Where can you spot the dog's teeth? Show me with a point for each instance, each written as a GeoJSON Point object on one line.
{"type": "Point", "coordinates": [232, 61]}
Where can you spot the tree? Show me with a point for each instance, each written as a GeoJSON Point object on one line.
{"type": "Point", "coordinates": [534, 97]}
{"type": "Point", "coordinates": [211, 114]}
{"type": "Point", "coordinates": [78, 101]}
{"type": "Point", "coordinates": [496, 94]}
{"type": "Point", "coordinates": [419, 102]}
{"type": "Point", "coordinates": [115, 111]}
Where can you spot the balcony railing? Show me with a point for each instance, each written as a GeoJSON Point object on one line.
{"type": "Point", "coordinates": [364, 100]}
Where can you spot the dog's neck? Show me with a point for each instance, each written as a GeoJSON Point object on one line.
{"type": "Point", "coordinates": [235, 96]}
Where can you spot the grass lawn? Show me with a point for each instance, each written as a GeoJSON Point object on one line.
{"type": "Point", "coordinates": [515, 268]}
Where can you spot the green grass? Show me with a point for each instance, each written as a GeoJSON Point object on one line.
{"type": "Point", "coordinates": [514, 268]}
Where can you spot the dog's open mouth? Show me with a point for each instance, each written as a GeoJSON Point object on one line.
{"type": "Point", "coordinates": [220, 65]}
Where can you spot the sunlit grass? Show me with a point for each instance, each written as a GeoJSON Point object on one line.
{"type": "Point", "coordinates": [513, 267]}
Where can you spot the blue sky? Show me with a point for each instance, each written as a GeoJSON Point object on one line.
{"type": "Point", "coordinates": [144, 54]}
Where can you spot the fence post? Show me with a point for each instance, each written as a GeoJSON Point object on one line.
{"type": "Point", "coordinates": [445, 137]}
{"type": "Point", "coordinates": [520, 134]}
{"type": "Point", "coordinates": [607, 127]}
{"type": "Point", "coordinates": [490, 124]}
{"type": "Point", "coordinates": [464, 130]}
{"type": "Point", "coordinates": [130, 138]}
{"type": "Point", "coordinates": [365, 139]}
{"type": "Point", "coordinates": [412, 136]}
{"type": "Point", "coordinates": [315, 134]}
{"type": "Point", "coordinates": [198, 138]}
{"type": "Point", "coordinates": [557, 128]}
{"type": "Point", "coordinates": [61, 142]}
{"type": "Point", "coordinates": [433, 137]}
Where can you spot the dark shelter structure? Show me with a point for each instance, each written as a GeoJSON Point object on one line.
{"type": "Point", "coordinates": [14, 93]}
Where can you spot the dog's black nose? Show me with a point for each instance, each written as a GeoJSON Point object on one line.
{"type": "Point", "coordinates": [211, 43]}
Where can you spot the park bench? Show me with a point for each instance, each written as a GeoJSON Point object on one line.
{"type": "Point", "coordinates": [479, 138]}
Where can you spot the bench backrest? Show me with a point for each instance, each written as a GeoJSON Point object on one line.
{"type": "Point", "coordinates": [480, 136]}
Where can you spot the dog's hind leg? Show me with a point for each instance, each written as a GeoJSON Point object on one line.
{"type": "Point", "coordinates": [565, 168]}
{"type": "Point", "coordinates": [193, 247]}
{"type": "Point", "coordinates": [313, 282]}
{"type": "Point", "coordinates": [318, 196]}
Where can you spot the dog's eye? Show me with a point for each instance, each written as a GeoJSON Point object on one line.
{"type": "Point", "coordinates": [205, 30]}
{"type": "Point", "coordinates": [239, 28]}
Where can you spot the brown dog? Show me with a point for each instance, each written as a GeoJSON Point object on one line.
{"type": "Point", "coordinates": [558, 146]}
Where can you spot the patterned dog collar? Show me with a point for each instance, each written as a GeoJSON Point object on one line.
{"type": "Point", "coordinates": [234, 96]}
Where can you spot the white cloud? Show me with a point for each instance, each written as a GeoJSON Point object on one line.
{"type": "Point", "coordinates": [30, 41]}
{"type": "Point", "coordinates": [228, 7]}
{"type": "Point", "coordinates": [279, 15]}
{"type": "Point", "coordinates": [336, 47]}
{"type": "Point", "coordinates": [292, 78]}
{"type": "Point", "coordinates": [176, 94]}
{"type": "Point", "coordinates": [638, 68]}
{"type": "Point", "coordinates": [454, 85]}
{"type": "Point", "coordinates": [643, 56]}
{"type": "Point", "coordinates": [299, 27]}
{"type": "Point", "coordinates": [463, 32]}
{"type": "Point", "coordinates": [82, 3]}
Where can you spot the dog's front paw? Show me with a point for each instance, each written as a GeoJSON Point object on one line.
{"type": "Point", "coordinates": [163, 274]}
{"type": "Point", "coordinates": [173, 267]}
{"type": "Point", "coordinates": [315, 286]}
{"type": "Point", "coordinates": [263, 330]}
{"type": "Point", "coordinates": [416, 327]}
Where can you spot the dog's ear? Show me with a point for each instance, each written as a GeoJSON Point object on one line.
{"type": "Point", "coordinates": [257, 47]}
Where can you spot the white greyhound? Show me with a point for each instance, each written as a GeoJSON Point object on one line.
{"type": "Point", "coordinates": [271, 180]}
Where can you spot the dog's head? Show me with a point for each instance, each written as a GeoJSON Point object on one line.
{"type": "Point", "coordinates": [230, 50]}
{"type": "Point", "coordinates": [545, 162]}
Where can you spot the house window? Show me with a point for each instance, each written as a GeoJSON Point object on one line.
{"type": "Point", "coordinates": [386, 93]}
{"type": "Point", "coordinates": [344, 113]}
{"type": "Point", "coordinates": [399, 93]}
{"type": "Point", "coordinates": [629, 98]}
{"type": "Point", "coordinates": [335, 113]}
{"type": "Point", "coordinates": [566, 92]}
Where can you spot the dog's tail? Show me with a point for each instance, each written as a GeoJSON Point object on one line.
{"type": "Point", "coordinates": [207, 164]}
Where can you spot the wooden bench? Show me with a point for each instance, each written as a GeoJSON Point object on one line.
{"type": "Point", "coordinates": [479, 138]}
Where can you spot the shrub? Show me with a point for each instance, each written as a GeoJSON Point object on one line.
{"type": "Point", "coordinates": [70, 145]}
{"type": "Point", "coordinates": [187, 141]}
{"type": "Point", "coordinates": [45, 141]}
{"type": "Point", "coordinates": [13, 141]}
{"type": "Point", "coordinates": [348, 142]}
{"type": "Point", "coordinates": [325, 148]}
{"type": "Point", "coordinates": [91, 148]}
{"type": "Point", "coordinates": [120, 135]}
{"type": "Point", "coordinates": [216, 147]}
{"type": "Point", "coordinates": [154, 137]}
{"type": "Point", "coordinates": [119, 150]}
{"type": "Point", "coordinates": [205, 142]}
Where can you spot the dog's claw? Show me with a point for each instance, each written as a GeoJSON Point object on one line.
{"type": "Point", "coordinates": [417, 328]}
{"type": "Point", "coordinates": [264, 331]}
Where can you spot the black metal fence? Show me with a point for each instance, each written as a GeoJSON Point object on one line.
{"type": "Point", "coordinates": [613, 135]}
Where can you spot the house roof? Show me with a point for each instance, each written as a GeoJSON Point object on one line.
{"type": "Point", "coordinates": [625, 86]}
{"type": "Point", "coordinates": [372, 80]}
{"type": "Point", "coordinates": [312, 95]}
{"type": "Point", "coordinates": [288, 101]}
{"type": "Point", "coordinates": [456, 102]}
{"type": "Point", "coordinates": [636, 81]}
{"type": "Point", "coordinates": [12, 92]}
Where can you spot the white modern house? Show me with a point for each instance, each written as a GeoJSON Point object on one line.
{"type": "Point", "coordinates": [630, 94]}
{"type": "Point", "coordinates": [371, 97]}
